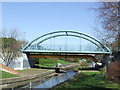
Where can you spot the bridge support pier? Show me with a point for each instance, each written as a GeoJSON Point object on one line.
{"type": "Point", "coordinates": [105, 61]}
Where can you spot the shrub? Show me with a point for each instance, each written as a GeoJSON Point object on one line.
{"type": "Point", "coordinates": [103, 70]}
{"type": "Point", "coordinates": [44, 61]}
{"type": "Point", "coordinates": [113, 70]}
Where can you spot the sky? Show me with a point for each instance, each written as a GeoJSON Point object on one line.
{"type": "Point", "coordinates": [34, 19]}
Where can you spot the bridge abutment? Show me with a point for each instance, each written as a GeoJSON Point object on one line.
{"type": "Point", "coordinates": [31, 62]}
{"type": "Point", "coordinates": [104, 62]}
{"type": "Point", "coordinates": [106, 59]}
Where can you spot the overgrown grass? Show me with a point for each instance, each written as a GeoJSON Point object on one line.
{"type": "Point", "coordinates": [88, 80]}
{"type": "Point", "coordinates": [6, 75]}
{"type": "Point", "coordinates": [48, 62]}
{"type": "Point", "coordinates": [63, 62]}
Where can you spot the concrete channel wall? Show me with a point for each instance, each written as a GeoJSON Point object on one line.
{"type": "Point", "coordinates": [18, 81]}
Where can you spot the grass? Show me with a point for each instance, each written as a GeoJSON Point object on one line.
{"type": "Point", "coordinates": [63, 62]}
{"type": "Point", "coordinates": [47, 65]}
{"type": "Point", "coordinates": [6, 75]}
{"type": "Point", "coordinates": [89, 80]}
{"type": "Point", "coordinates": [50, 62]}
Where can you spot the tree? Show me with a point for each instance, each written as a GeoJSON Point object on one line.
{"type": "Point", "coordinates": [9, 46]}
{"type": "Point", "coordinates": [107, 13]}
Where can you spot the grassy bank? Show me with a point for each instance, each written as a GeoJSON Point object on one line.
{"type": "Point", "coordinates": [6, 75]}
{"type": "Point", "coordinates": [48, 62]}
{"type": "Point", "coordinates": [89, 80]}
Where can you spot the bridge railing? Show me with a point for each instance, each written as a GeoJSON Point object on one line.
{"type": "Point", "coordinates": [59, 47]}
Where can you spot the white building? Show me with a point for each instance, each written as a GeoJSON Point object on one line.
{"type": "Point", "coordinates": [19, 63]}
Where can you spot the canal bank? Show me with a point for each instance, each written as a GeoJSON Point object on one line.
{"type": "Point", "coordinates": [19, 81]}
{"type": "Point", "coordinates": [88, 80]}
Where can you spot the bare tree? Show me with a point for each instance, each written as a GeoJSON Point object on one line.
{"type": "Point", "coordinates": [9, 48]}
{"type": "Point", "coordinates": [108, 18]}
{"type": "Point", "coordinates": [107, 15]}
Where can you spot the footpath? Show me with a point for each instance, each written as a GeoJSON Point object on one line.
{"type": "Point", "coordinates": [31, 71]}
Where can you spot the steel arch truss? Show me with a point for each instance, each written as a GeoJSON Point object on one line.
{"type": "Point", "coordinates": [50, 35]}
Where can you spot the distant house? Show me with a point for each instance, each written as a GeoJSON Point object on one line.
{"type": "Point", "coordinates": [19, 63]}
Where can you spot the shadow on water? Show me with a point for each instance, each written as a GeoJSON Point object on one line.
{"type": "Point", "coordinates": [88, 69]}
{"type": "Point", "coordinates": [47, 67]}
{"type": "Point", "coordinates": [50, 82]}
{"type": "Point", "coordinates": [44, 67]}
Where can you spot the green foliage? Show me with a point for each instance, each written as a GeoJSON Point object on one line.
{"type": "Point", "coordinates": [8, 42]}
{"type": "Point", "coordinates": [9, 49]}
{"type": "Point", "coordinates": [48, 62]}
{"type": "Point", "coordinates": [90, 73]}
{"type": "Point", "coordinates": [63, 62]}
{"type": "Point", "coordinates": [103, 70]}
{"type": "Point", "coordinates": [7, 75]}
{"type": "Point", "coordinates": [93, 80]}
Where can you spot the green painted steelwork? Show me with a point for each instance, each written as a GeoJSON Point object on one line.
{"type": "Point", "coordinates": [74, 52]}
{"type": "Point", "coordinates": [68, 33]}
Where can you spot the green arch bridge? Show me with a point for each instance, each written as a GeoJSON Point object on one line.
{"type": "Point", "coordinates": [36, 48]}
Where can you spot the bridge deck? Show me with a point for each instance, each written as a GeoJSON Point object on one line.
{"type": "Point", "coordinates": [68, 52]}
{"type": "Point", "coordinates": [61, 56]}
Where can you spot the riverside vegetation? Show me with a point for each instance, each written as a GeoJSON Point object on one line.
{"type": "Point", "coordinates": [89, 80]}
{"type": "Point", "coordinates": [49, 62]}
{"type": "Point", "coordinates": [4, 74]}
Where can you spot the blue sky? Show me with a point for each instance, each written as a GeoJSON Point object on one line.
{"type": "Point", "coordinates": [38, 18]}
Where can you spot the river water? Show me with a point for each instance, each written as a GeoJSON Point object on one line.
{"type": "Point", "coordinates": [51, 82]}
